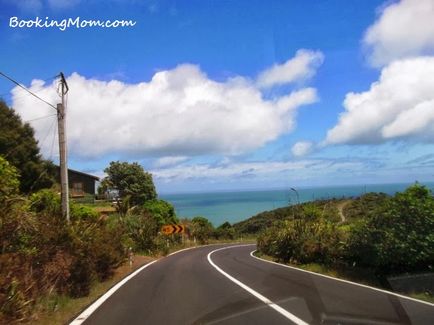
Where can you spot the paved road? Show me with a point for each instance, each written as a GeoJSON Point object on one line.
{"type": "Point", "coordinates": [221, 285]}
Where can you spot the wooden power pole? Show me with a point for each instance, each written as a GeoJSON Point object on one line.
{"type": "Point", "coordinates": [61, 116]}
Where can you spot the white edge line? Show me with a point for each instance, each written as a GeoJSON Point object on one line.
{"type": "Point", "coordinates": [342, 280]}
{"type": "Point", "coordinates": [262, 298]}
{"type": "Point", "coordinates": [94, 306]}
{"type": "Point", "coordinates": [88, 311]}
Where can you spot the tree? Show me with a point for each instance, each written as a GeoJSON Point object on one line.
{"type": "Point", "coordinates": [225, 231]}
{"type": "Point", "coordinates": [202, 229]}
{"type": "Point", "coordinates": [162, 211]}
{"type": "Point", "coordinates": [19, 147]}
{"type": "Point", "coordinates": [131, 181]}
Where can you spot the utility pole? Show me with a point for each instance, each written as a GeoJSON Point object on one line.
{"type": "Point", "coordinates": [61, 117]}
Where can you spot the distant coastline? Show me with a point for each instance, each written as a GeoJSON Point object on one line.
{"type": "Point", "coordinates": [238, 205]}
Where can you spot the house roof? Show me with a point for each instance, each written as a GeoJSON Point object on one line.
{"type": "Point", "coordinates": [81, 173]}
{"type": "Point", "coordinates": [84, 174]}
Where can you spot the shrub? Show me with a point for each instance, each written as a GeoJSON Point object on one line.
{"type": "Point", "coordinates": [399, 236]}
{"type": "Point", "coordinates": [301, 241]}
{"type": "Point", "coordinates": [225, 231]}
{"type": "Point", "coordinates": [162, 211]}
{"type": "Point", "coordinates": [9, 183]}
{"type": "Point", "coordinates": [201, 229]}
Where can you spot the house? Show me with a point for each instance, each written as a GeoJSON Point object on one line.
{"type": "Point", "coordinates": [81, 185]}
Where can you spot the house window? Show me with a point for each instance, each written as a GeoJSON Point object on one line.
{"type": "Point", "coordinates": [77, 189]}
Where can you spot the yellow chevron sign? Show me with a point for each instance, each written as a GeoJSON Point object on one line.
{"type": "Point", "coordinates": [172, 229]}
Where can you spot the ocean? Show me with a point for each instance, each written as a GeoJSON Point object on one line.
{"type": "Point", "coordinates": [220, 207]}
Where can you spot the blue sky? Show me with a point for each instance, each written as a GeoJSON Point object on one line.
{"type": "Point", "coordinates": [211, 95]}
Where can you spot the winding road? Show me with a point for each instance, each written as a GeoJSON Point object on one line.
{"type": "Point", "coordinates": [226, 284]}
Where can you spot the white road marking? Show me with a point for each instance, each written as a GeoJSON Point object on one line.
{"type": "Point", "coordinates": [85, 314]}
{"type": "Point", "coordinates": [88, 311]}
{"type": "Point", "coordinates": [265, 300]}
{"type": "Point", "coordinates": [341, 280]}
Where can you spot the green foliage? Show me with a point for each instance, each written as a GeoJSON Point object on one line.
{"type": "Point", "coordinates": [389, 235]}
{"type": "Point", "coordinates": [142, 229]}
{"type": "Point", "coordinates": [225, 231]}
{"type": "Point", "coordinates": [41, 254]}
{"type": "Point", "coordinates": [19, 147]}
{"type": "Point", "coordinates": [399, 237]}
{"type": "Point", "coordinates": [162, 211]}
{"type": "Point", "coordinates": [302, 241]}
{"type": "Point", "coordinates": [47, 201]}
{"type": "Point", "coordinates": [326, 209]}
{"type": "Point", "coordinates": [201, 229]}
{"type": "Point", "coordinates": [365, 206]}
{"type": "Point", "coordinates": [8, 181]}
{"type": "Point", "coordinates": [130, 180]}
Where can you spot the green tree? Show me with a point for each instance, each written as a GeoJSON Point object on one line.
{"type": "Point", "coordinates": [19, 147]}
{"type": "Point", "coordinates": [162, 211]}
{"type": "Point", "coordinates": [130, 180]}
{"type": "Point", "coordinates": [225, 231]}
{"type": "Point", "coordinates": [202, 229]}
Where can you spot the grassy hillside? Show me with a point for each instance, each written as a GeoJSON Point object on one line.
{"type": "Point", "coordinates": [328, 209]}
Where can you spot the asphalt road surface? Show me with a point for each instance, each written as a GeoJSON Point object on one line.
{"type": "Point", "coordinates": [224, 284]}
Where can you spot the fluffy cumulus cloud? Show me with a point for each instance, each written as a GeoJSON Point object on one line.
{"type": "Point", "coordinates": [179, 112]}
{"type": "Point", "coordinates": [302, 148]}
{"type": "Point", "coordinates": [403, 29]}
{"type": "Point", "coordinates": [400, 105]}
{"type": "Point", "coordinates": [301, 67]}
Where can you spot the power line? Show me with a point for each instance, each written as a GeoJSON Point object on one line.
{"type": "Point", "coordinates": [21, 86]}
{"type": "Point", "coordinates": [39, 118]}
{"type": "Point", "coordinates": [46, 80]}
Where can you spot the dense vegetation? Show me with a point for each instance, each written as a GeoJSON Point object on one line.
{"type": "Point", "coordinates": [254, 225]}
{"type": "Point", "coordinates": [19, 147]}
{"type": "Point", "coordinates": [131, 182]}
{"type": "Point", "coordinates": [389, 235]}
{"type": "Point", "coordinates": [43, 256]}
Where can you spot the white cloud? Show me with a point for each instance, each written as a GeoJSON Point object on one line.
{"type": "Point", "coordinates": [169, 161]}
{"type": "Point", "coordinates": [403, 29]}
{"type": "Point", "coordinates": [301, 67]}
{"type": "Point", "coordinates": [180, 112]}
{"type": "Point", "coordinates": [302, 148]}
{"type": "Point", "coordinates": [398, 106]}
{"type": "Point", "coordinates": [237, 171]}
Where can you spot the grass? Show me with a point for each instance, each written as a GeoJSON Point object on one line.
{"type": "Point", "coordinates": [362, 276]}
{"type": "Point", "coordinates": [423, 296]}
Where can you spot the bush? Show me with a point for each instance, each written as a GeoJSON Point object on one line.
{"type": "Point", "coordinates": [399, 237]}
{"type": "Point", "coordinates": [41, 254]}
{"type": "Point", "coordinates": [162, 211]}
{"type": "Point", "coordinates": [201, 229]}
{"type": "Point", "coordinates": [9, 183]}
{"type": "Point", "coordinates": [225, 231]}
{"type": "Point", "coordinates": [301, 241]}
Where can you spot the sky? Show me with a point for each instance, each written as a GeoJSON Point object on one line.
{"type": "Point", "coordinates": [230, 95]}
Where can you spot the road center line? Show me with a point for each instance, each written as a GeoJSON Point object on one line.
{"type": "Point", "coordinates": [262, 298]}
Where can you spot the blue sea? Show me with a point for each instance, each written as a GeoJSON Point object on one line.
{"type": "Point", "coordinates": [219, 207]}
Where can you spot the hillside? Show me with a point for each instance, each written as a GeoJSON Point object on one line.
{"type": "Point", "coordinates": [331, 209]}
